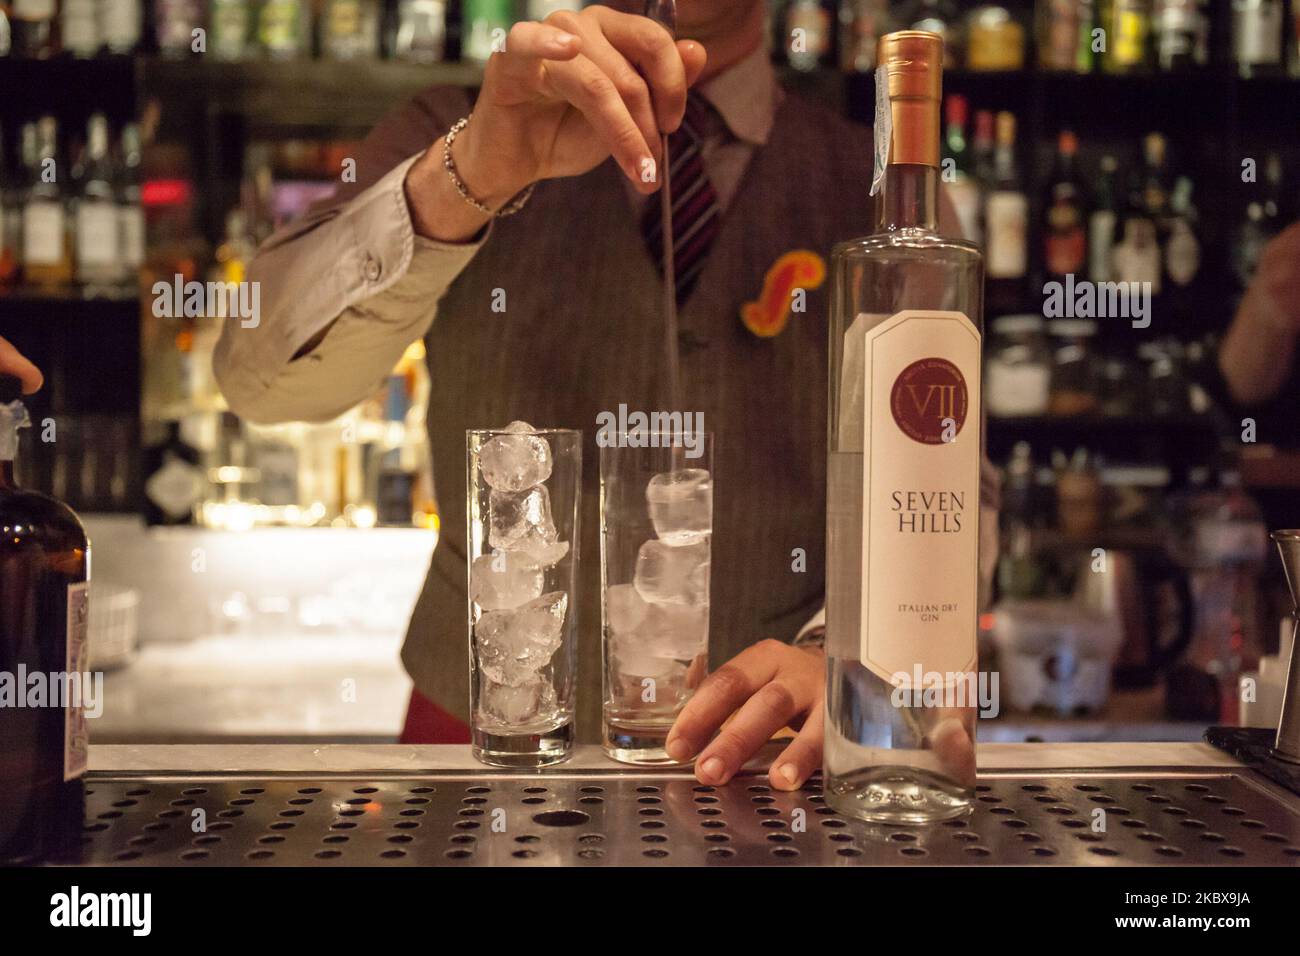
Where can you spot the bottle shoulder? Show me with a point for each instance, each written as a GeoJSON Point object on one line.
{"type": "Point", "coordinates": [29, 517]}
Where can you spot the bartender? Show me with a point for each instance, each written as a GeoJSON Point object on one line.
{"type": "Point", "coordinates": [515, 231]}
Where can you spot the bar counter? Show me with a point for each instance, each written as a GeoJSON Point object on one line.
{"type": "Point", "coordinates": [1037, 804]}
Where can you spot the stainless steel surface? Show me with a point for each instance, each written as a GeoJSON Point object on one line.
{"type": "Point", "coordinates": [1151, 817]}
{"type": "Point", "coordinates": [1287, 746]}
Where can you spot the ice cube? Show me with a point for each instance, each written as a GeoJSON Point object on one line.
{"type": "Point", "coordinates": [673, 575]}
{"type": "Point", "coordinates": [630, 657]}
{"type": "Point", "coordinates": [681, 505]}
{"type": "Point", "coordinates": [504, 580]}
{"type": "Point", "coordinates": [512, 646]}
{"type": "Point", "coordinates": [624, 608]}
{"type": "Point", "coordinates": [521, 521]}
{"type": "Point", "coordinates": [516, 705]}
{"type": "Point", "coordinates": [678, 632]}
{"type": "Point", "coordinates": [517, 460]}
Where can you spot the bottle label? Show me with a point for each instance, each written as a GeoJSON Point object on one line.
{"type": "Point", "coordinates": [920, 488]}
{"type": "Point", "coordinates": [97, 229]}
{"type": "Point", "coordinates": [1006, 216]}
{"type": "Point", "coordinates": [76, 738]}
{"type": "Point", "coordinates": [131, 221]}
{"type": "Point", "coordinates": [42, 233]}
{"type": "Point", "coordinates": [1101, 239]}
{"type": "Point", "coordinates": [34, 10]}
{"type": "Point", "coordinates": [175, 488]}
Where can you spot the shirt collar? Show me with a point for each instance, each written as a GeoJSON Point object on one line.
{"type": "Point", "coordinates": [746, 96]}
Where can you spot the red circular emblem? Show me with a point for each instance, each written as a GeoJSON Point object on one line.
{"type": "Point", "coordinates": [929, 401]}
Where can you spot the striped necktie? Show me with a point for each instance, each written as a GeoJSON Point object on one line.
{"type": "Point", "coordinates": [696, 214]}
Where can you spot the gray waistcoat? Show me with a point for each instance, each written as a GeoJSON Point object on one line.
{"type": "Point", "coordinates": [582, 333]}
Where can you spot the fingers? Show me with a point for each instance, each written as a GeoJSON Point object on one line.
{"type": "Point", "coordinates": [718, 697]}
{"type": "Point", "coordinates": [651, 50]}
{"type": "Point", "coordinates": [594, 95]}
{"type": "Point", "coordinates": [13, 362]}
{"type": "Point", "coordinates": [528, 44]}
{"type": "Point", "coordinates": [694, 58]}
{"type": "Point", "coordinates": [628, 82]}
{"type": "Point", "coordinates": [803, 756]}
{"type": "Point", "coordinates": [773, 706]}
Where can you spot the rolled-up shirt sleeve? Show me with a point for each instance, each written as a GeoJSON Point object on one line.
{"type": "Point", "coordinates": [355, 268]}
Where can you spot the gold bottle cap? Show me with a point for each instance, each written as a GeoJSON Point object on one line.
{"type": "Point", "coordinates": [911, 62]}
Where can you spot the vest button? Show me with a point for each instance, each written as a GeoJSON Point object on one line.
{"type": "Point", "coordinates": [372, 270]}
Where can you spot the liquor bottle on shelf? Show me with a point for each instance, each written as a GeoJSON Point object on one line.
{"type": "Point", "coordinates": [902, 578]}
{"type": "Point", "coordinates": [130, 212]}
{"type": "Point", "coordinates": [1065, 241]}
{"type": "Point", "coordinates": [1136, 257]}
{"type": "Point", "coordinates": [861, 24]}
{"type": "Point", "coordinates": [934, 16]}
{"type": "Point", "coordinates": [45, 571]}
{"type": "Point", "coordinates": [98, 261]}
{"type": "Point", "coordinates": [807, 38]}
{"type": "Point", "coordinates": [120, 24]}
{"type": "Point", "coordinates": [174, 23]}
{"type": "Point", "coordinates": [1257, 43]}
{"type": "Point", "coordinates": [1006, 222]}
{"type": "Point", "coordinates": [1103, 221]}
{"type": "Point", "coordinates": [32, 28]}
{"type": "Point", "coordinates": [1154, 197]}
{"type": "Point", "coordinates": [1063, 29]}
{"type": "Point", "coordinates": [174, 482]}
{"type": "Point", "coordinates": [982, 149]}
{"type": "Point", "coordinates": [421, 35]}
{"type": "Point", "coordinates": [960, 185]}
{"type": "Point", "coordinates": [46, 252]}
{"type": "Point", "coordinates": [1261, 221]}
{"type": "Point", "coordinates": [484, 24]}
{"type": "Point", "coordinates": [230, 28]}
{"type": "Point", "coordinates": [1293, 40]}
{"type": "Point", "coordinates": [350, 29]}
{"type": "Point", "coordinates": [541, 9]}
{"type": "Point", "coordinates": [1182, 255]}
{"type": "Point", "coordinates": [995, 40]}
{"type": "Point", "coordinates": [79, 28]}
{"type": "Point", "coordinates": [284, 29]}
{"type": "Point", "coordinates": [1182, 34]}
{"type": "Point", "coordinates": [10, 232]}
{"type": "Point", "coordinates": [1127, 26]}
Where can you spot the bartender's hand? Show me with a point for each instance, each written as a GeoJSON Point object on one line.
{"type": "Point", "coordinates": [13, 362]}
{"type": "Point", "coordinates": [563, 95]}
{"type": "Point", "coordinates": [772, 685]}
{"type": "Point", "coordinates": [1258, 351]}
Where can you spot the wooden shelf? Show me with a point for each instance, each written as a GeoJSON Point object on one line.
{"type": "Point", "coordinates": [296, 92]}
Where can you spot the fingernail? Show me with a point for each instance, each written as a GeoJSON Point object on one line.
{"type": "Point", "coordinates": [678, 749]}
{"type": "Point", "coordinates": [561, 43]}
{"type": "Point", "coordinates": [713, 768]}
{"type": "Point", "coordinates": [788, 772]}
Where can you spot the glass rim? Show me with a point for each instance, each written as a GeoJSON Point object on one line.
{"type": "Point", "coordinates": [539, 431]}
{"type": "Point", "coordinates": [676, 443]}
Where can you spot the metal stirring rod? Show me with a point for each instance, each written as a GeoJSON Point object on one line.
{"type": "Point", "coordinates": [665, 12]}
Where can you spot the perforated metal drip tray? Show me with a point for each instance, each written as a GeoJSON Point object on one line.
{"type": "Point", "coordinates": [1194, 817]}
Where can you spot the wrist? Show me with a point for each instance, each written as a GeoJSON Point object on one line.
{"type": "Point", "coordinates": [487, 179]}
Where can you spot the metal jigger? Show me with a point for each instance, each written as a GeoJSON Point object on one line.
{"type": "Point", "coordinates": [1287, 745]}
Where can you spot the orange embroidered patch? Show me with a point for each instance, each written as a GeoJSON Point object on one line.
{"type": "Point", "coordinates": [798, 269]}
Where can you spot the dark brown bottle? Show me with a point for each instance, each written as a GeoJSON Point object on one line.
{"type": "Point", "coordinates": [44, 577]}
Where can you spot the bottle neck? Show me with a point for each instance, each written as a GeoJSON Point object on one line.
{"type": "Point", "coordinates": [909, 199]}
